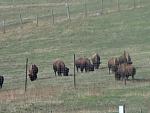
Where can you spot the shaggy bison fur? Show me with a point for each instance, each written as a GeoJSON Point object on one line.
{"type": "Point", "coordinates": [33, 70]}
{"type": "Point", "coordinates": [59, 67]}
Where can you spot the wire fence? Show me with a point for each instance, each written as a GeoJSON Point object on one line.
{"type": "Point", "coordinates": [56, 13]}
{"type": "Point", "coordinates": [32, 99]}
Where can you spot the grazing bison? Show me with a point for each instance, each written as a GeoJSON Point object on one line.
{"type": "Point", "coordinates": [1, 81]}
{"type": "Point", "coordinates": [113, 64]}
{"type": "Point", "coordinates": [124, 71]}
{"type": "Point", "coordinates": [84, 64]}
{"type": "Point", "coordinates": [125, 58]}
{"type": "Point", "coordinates": [33, 70]}
{"type": "Point", "coordinates": [96, 60]}
{"type": "Point", "coordinates": [59, 67]}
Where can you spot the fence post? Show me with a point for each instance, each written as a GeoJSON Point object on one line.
{"type": "Point", "coordinates": [13, 3]}
{"type": "Point", "coordinates": [68, 10]}
{"type": "Point", "coordinates": [74, 72]}
{"type": "Point", "coordinates": [102, 5]}
{"type": "Point", "coordinates": [21, 21]}
{"type": "Point", "coordinates": [118, 5]}
{"type": "Point", "coordinates": [85, 9]}
{"type": "Point", "coordinates": [125, 81]}
{"type": "Point", "coordinates": [134, 5]}
{"type": "Point", "coordinates": [53, 16]}
{"type": "Point", "coordinates": [140, 3]}
{"type": "Point", "coordinates": [37, 21]}
{"type": "Point", "coordinates": [98, 11]}
{"type": "Point", "coordinates": [4, 29]}
{"type": "Point", "coordinates": [141, 110]}
{"type": "Point", "coordinates": [26, 74]}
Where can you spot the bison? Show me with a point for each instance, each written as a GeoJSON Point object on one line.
{"type": "Point", "coordinates": [96, 60]}
{"type": "Point", "coordinates": [59, 67]}
{"type": "Point", "coordinates": [1, 81]}
{"type": "Point", "coordinates": [124, 71]}
{"type": "Point", "coordinates": [113, 64]}
{"type": "Point", "coordinates": [125, 58]}
{"type": "Point", "coordinates": [33, 70]}
{"type": "Point", "coordinates": [84, 64]}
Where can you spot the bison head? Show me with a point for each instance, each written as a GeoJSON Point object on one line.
{"type": "Point", "coordinates": [66, 71]}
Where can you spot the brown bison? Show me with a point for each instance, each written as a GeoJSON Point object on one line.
{"type": "Point", "coordinates": [124, 71]}
{"type": "Point", "coordinates": [59, 67]}
{"type": "Point", "coordinates": [1, 81]}
{"type": "Point", "coordinates": [96, 60]}
{"type": "Point", "coordinates": [33, 70]}
{"type": "Point", "coordinates": [113, 64]}
{"type": "Point", "coordinates": [125, 58]}
{"type": "Point", "coordinates": [84, 64]}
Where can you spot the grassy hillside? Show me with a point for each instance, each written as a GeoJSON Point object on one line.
{"type": "Point", "coordinates": [97, 92]}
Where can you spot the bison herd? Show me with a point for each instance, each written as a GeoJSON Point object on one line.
{"type": "Point", "coordinates": [121, 67]}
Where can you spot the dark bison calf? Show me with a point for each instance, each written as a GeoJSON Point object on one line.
{"type": "Point", "coordinates": [1, 81]}
{"type": "Point", "coordinates": [124, 71]}
{"type": "Point", "coordinates": [33, 70]}
{"type": "Point", "coordinates": [60, 68]}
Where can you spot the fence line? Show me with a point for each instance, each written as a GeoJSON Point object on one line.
{"type": "Point", "coordinates": [68, 12]}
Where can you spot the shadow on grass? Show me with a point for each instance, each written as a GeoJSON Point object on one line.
{"type": "Point", "coordinates": [53, 77]}
{"type": "Point", "coordinates": [139, 80]}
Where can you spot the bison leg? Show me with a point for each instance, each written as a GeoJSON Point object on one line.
{"type": "Point", "coordinates": [97, 66]}
{"type": "Point", "coordinates": [109, 69]}
{"type": "Point", "coordinates": [59, 73]}
{"type": "Point", "coordinates": [132, 77]}
{"type": "Point", "coordinates": [81, 69]}
{"type": "Point", "coordinates": [122, 77]}
{"type": "Point", "coordinates": [77, 69]}
{"type": "Point", "coordinates": [55, 73]}
{"type": "Point", "coordinates": [127, 77]}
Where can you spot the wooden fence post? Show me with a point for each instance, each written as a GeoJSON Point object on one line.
{"type": "Point", "coordinates": [118, 5]}
{"type": "Point", "coordinates": [37, 21]}
{"type": "Point", "coordinates": [134, 5]}
{"type": "Point", "coordinates": [98, 11]}
{"type": "Point", "coordinates": [4, 29]}
{"type": "Point", "coordinates": [85, 9]}
{"type": "Point", "coordinates": [141, 110]}
{"type": "Point", "coordinates": [102, 5]}
{"type": "Point", "coordinates": [53, 19]}
{"type": "Point", "coordinates": [26, 75]}
{"type": "Point", "coordinates": [140, 3]}
{"type": "Point", "coordinates": [13, 3]}
{"type": "Point", "coordinates": [68, 11]}
{"type": "Point", "coordinates": [74, 72]}
{"type": "Point", "coordinates": [125, 81]}
{"type": "Point", "coordinates": [21, 21]}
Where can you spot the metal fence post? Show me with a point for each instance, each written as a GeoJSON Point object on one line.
{"type": "Point", "coordinates": [26, 74]}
